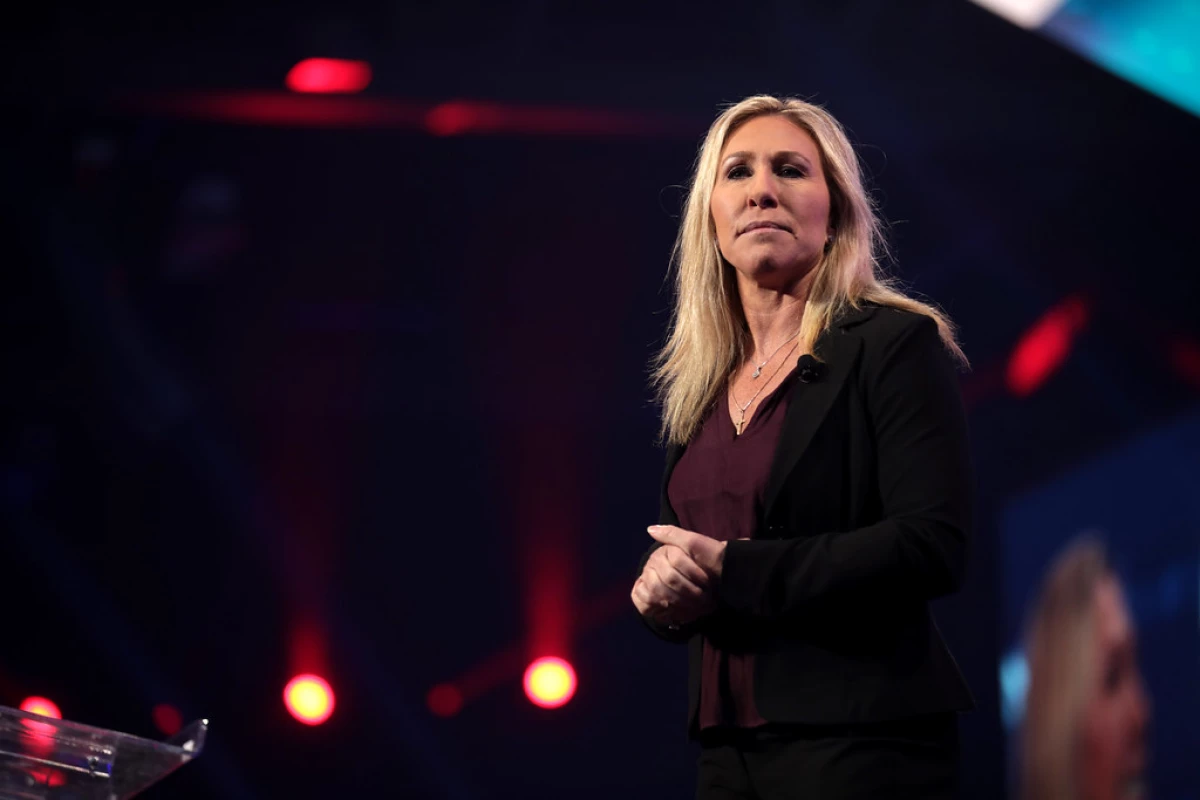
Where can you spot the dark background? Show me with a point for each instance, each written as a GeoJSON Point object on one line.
{"type": "Point", "coordinates": [297, 383]}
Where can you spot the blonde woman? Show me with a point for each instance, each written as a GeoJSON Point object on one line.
{"type": "Point", "coordinates": [1084, 734]}
{"type": "Point", "coordinates": [817, 488]}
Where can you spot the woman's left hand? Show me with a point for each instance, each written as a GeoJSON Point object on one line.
{"type": "Point", "coordinates": [707, 552]}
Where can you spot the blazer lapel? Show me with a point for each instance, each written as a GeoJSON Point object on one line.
{"type": "Point", "coordinates": [809, 403]}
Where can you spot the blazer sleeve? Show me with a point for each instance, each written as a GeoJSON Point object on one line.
{"type": "Point", "coordinates": [918, 549]}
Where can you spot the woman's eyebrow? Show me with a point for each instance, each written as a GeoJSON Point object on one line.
{"type": "Point", "coordinates": [782, 154]}
{"type": "Point", "coordinates": [785, 154]}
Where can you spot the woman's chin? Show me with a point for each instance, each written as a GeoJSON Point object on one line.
{"type": "Point", "coordinates": [770, 271]}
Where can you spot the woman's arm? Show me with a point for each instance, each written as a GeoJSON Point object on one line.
{"type": "Point", "coordinates": [919, 548]}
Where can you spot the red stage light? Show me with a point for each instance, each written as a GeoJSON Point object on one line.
{"type": "Point", "coordinates": [41, 706]}
{"type": "Point", "coordinates": [445, 700]}
{"type": "Point", "coordinates": [454, 118]}
{"type": "Point", "coordinates": [39, 733]}
{"type": "Point", "coordinates": [550, 682]}
{"type": "Point", "coordinates": [329, 76]}
{"type": "Point", "coordinates": [167, 719]}
{"type": "Point", "coordinates": [38, 737]}
{"type": "Point", "coordinates": [1045, 346]}
{"type": "Point", "coordinates": [309, 699]}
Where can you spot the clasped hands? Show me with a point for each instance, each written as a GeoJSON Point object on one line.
{"type": "Point", "coordinates": [678, 584]}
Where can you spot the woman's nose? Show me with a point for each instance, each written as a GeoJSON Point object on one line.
{"type": "Point", "coordinates": [763, 193]}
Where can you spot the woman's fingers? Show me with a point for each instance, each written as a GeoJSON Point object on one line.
{"type": "Point", "coordinates": [681, 613]}
{"type": "Point", "coordinates": [684, 564]}
{"type": "Point", "coordinates": [641, 597]}
{"type": "Point", "coordinates": [672, 588]}
{"type": "Point", "coordinates": [666, 583]}
{"type": "Point", "coordinates": [647, 605]}
{"type": "Point", "coordinates": [669, 559]}
{"type": "Point", "coordinates": [705, 551]}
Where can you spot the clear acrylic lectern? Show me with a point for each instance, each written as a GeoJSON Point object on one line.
{"type": "Point", "coordinates": [50, 758]}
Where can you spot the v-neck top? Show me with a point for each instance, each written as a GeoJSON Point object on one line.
{"type": "Point", "coordinates": [718, 489]}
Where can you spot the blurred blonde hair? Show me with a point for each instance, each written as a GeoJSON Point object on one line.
{"type": "Point", "coordinates": [1059, 652]}
{"type": "Point", "coordinates": [708, 336]}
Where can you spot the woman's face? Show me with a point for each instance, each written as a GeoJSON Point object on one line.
{"type": "Point", "coordinates": [770, 202]}
{"type": "Point", "coordinates": [1112, 756]}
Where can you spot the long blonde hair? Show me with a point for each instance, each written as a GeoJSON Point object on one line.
{"type": "Point", "coordinates": [708, 336]}
{"type": "Point", "coordinates": [1061, 670]}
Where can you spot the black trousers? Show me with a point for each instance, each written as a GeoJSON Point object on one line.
{"type": "Point", "coordinates": [912, 758]}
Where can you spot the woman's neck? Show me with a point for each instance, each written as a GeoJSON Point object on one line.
{"type": "Point", "coordinates": [772, 316]}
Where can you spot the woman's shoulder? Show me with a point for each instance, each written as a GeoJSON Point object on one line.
{"type": "Point", "coordinates": [894, 335]}
{"type": "Point", "coordinates": [886, 323]}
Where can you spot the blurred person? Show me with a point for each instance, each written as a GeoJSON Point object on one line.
{"type": "Point", "coordinates": [817, 492]}
{"type": "Point", "coordinates": [1084, 734]}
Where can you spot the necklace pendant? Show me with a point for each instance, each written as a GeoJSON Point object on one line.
{"type": "Point", "coordinates": [756, 373]}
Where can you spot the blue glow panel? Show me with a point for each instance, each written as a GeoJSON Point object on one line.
{"type": "Point", "coordinates": [1152, 43]}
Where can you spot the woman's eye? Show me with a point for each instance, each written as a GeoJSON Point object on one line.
{"type": "Point", "coordinates": [791, 171]}
{"type": "Point", "coordinates": [739, 171]}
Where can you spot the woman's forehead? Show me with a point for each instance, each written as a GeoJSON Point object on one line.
{"type": "Point", "coordinates": [769, 134]}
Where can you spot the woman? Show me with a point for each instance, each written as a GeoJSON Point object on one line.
{"type": "Point", "coordinates": [1084, 734]}
{"type": "Point", "coordinates": [817, 489]}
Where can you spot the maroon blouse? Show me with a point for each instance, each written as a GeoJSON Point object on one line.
{"type": "Point", "coordinates": [717, 489]}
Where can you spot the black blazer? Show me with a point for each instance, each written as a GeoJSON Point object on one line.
{"type": "Point", "coordinates": [865, 519]}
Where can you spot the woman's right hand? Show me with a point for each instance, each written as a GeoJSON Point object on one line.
{"type": "Point", "coordinates": [673, 589]}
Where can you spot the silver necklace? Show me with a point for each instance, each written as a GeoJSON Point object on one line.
{"type": "Point", "coordinates": [741, 423]}
{"type": "Point", "coordinates": [758, 367]}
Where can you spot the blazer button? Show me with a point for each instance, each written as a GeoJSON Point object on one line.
{"type": "Point", "coordinates": [775, 529]}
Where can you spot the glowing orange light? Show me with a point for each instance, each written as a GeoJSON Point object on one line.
{"type": "Point", "coordinates": [167, 719]}
{"type": "Point", "coordinates": [329, 76]}
{"type": "Point", "coordinates": [550, 682]}
{"type": "Point", "coordinates": [1045, 346]}
{"type": "Point", "coordinates": [41, 706]}
{"type": "Point", "coordinates": [39, 736]}
{"type": "Point", "coordinates": [309, 699]}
